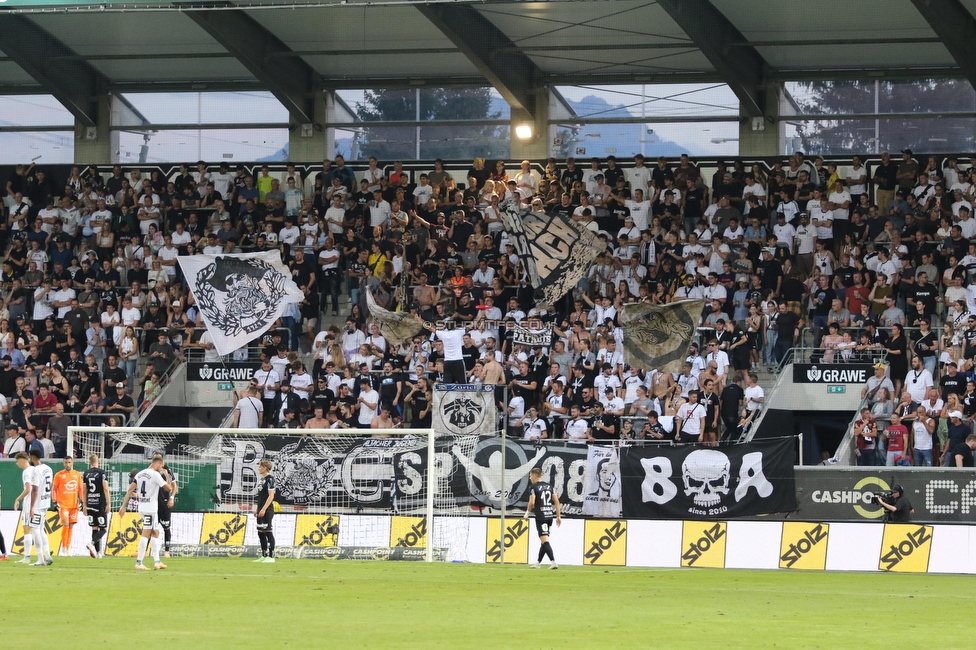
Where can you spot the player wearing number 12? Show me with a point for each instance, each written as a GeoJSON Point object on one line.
{"type": "Point", "coordinates": [543, 504]}
{"type": "Point", "coordinates": [67, 494]}
{"type": "Point", "coordinates": [147, 484]}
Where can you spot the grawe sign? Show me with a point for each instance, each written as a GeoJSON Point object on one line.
{"type": "Point", "coordinates": [220, 371]}
{"type": "Point", "coordinates": [831, 373]}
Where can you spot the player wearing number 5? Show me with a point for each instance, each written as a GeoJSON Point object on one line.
{"type": "Point", "coordinates": [264, 511]}
{"type": "Point", "coordinates": [147, 484]}
{"type": "Point", "coordinates": [67, 494]}
{"type": "Point", "coordinates": [543, 504]}
{"type": "Point", "coordinates": [96, 500]}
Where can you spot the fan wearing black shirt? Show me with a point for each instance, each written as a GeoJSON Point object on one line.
{"type": "Point", "coordinates": [264, 511]}
{"type": "Point", "coordinates": [543, 504]}
{"type": "Point", "coordinates": [952, 382]}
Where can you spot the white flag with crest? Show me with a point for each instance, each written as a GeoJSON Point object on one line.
{"type": "Point", "coordinates": [240, 296]}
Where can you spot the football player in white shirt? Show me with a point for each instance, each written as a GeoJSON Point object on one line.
{"type": "Point", "coordinates": [146, 485]}
{"type": "Point", "coordinates": [43, 480]}
{"type": "Point", "coordinates": [26, 517]}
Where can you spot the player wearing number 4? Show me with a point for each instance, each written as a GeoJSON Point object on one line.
{"type": "Point", "coordinates": [544, 504]}
{"type": "Point", "coordinates": [147, 484]}
{"type": "Point", "coordinates": [96, 500]}
{"type": "Point", "coordinates": [67, 494]}
{"type": "Point", "coordinates": [264, 511]}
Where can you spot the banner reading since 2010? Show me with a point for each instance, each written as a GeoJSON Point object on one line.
{"type": "Point", "coordinates": [708, 483]}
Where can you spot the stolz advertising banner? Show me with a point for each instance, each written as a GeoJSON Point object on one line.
{"type": "Point", "coordinates": [711, 483]}
{"type": "Point", "coordinates": [831, 373]}
{"type": "Point", "coordinates": [847, 494]}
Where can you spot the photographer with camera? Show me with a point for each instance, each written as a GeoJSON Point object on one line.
{"type": "Point", "coordinates": [898, 506]}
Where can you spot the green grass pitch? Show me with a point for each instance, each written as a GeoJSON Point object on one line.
{"type": "Point", "coordinates": [232, 603]}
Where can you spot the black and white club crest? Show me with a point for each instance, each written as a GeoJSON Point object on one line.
{"type": "Point", "coordinates": [239, 295]}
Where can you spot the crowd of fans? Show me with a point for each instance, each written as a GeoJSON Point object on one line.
{"type": "Point", "coordinates": [864, 261]}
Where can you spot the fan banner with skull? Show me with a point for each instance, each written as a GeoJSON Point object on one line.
{"type": "Point", "coordinates": [239, 296]}
{"type": "Point", "coordinates": [694, 482]}
{"type": "Point", "coordinates": [463, 409]}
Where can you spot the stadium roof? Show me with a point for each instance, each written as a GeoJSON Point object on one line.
{"type": "Point", "coordinates": [295, 48]}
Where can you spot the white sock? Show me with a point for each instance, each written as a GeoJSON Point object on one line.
{"type": "Point", "coordinates": [45, 544]}
{"type": "Point", "coordinates": [28, 542]}
{"type": "Point", "coordinates": [143, 543]}
{"type": "Point", "coordinates": [39, 539]}
{"type": "Point", "coordinates": [101, 545]}
{"type": "Point", "coordinates": [154, 549]}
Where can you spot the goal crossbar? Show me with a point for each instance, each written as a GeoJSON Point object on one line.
{"type": "Point", "coordinates": [83, 441]}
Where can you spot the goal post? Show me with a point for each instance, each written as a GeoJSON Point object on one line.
{"type": "Point", "coordinates": [339, 492]}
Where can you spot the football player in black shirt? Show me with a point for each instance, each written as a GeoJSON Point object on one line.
{"type": "Point", "coordinates": [264, 510]}
{"type": "Point", "coordinates": [166, 499]}
{"type": "Point", "coordinates": [97, 499]}
{"type": "Point", "coordinates": [544, 504]}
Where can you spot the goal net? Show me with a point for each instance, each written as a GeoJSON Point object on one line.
{"type": "Point", "coordinates": [346, 493]}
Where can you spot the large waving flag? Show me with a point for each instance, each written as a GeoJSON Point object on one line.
{"type": "Point", "coordinates": [395, 326]}
{"type": "Point", "coordinates": [240, 296]}
{"type": "Point", "coordinates": [658, 336]}
{"type": "Point", "coordinates": [556, 251]}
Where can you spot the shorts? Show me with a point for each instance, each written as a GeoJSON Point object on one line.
{"type": "Point", "coordinates": [31, 521]}
{"type": "Point", "coordinates": [97, 518]}
{"type": "Point", "coordinates": [689, 438]}
{"type": "Point", "coordinates": [150, 520]}
{"type": "Point", "coordinates": [264, 523]}
{"type": "Point", "coordinates": [68, 517]}
{"type": "Point", "coordinates": [542, 526]}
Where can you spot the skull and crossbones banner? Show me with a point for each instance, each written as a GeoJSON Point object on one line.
{"type": "Point", "coordinates": [693, 482]}
{"type": "Point", "coordinates": [239, 296]}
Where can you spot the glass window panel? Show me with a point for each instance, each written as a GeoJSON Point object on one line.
{"type": "Point", "coordinates": [206, 108]}
{"type": "Point", "coordinates": [44, 147]}
{"type": "Point", "coordinates": [400, 143]}
{"type": "Point", "coordinates": [649, 100]}
{"type": "Point", "coordinates": [394, 104]}
{"type": "Point", "coordinates": [214, 146]}
{"type": "Point", "coordinates": [33, 110]}
{"type": "Point", "coordinates": [868, 136]}
{"type": "Point", "coordinates": [652, 140]}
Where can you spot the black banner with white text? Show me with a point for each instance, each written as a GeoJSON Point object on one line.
{"type": "Point", "coordinates": [708, 483]}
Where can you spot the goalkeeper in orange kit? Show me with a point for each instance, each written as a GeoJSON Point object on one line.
{"type": "Point", "coordinates": [66, 491]}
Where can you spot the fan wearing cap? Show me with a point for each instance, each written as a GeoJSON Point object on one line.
{"type": "Point", "coordinates": [958, 432]}
{"type": "Point", "coordinates": [901, 510]}
{"type": "Point", "coordinates": [119, 403]}
{"type": "Point", "coordinates": [875, 383]}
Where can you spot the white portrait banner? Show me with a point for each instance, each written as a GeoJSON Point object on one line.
{"type": "Point", "coordinates": [601, 485]}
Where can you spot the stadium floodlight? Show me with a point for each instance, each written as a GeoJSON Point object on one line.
{"type": "Point", "coordinates": [523, 131]}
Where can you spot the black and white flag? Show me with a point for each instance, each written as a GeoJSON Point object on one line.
{"type": "Point", "coordinates": [708, 483]}
{"type": "Point", "coordinates": [532, 337]}
{"type": "Point", "coordinates": [240, 296]}
{"type": "Point", "coordinates": [395, 326]}
{"type": "Point", "coordinates": [556, 251]}
{"type": "Point", "coordinates": [463, 409]}
{"type": "Point", "coordinates": [658, 336]}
